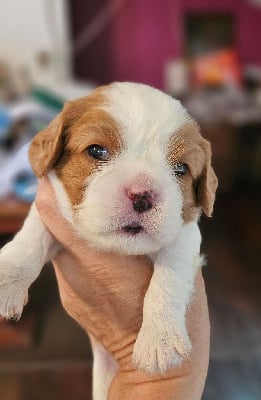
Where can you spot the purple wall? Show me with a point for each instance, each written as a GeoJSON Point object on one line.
{"type": "Point", "coordinates": [92, 62]}
{"type": "Point", "coordinates": [144, 36]}
{"type": "Point", "coordinates": [249, 34]}
{"type": "Point", "coordinates": [147, 33]}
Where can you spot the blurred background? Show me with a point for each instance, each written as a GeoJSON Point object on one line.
{"type": "Point", "coordinates": [207, 54]}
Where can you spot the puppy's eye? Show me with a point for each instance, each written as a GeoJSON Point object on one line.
{"type": "Point", "coordinates": [98, 152]}
{"type": "Point", "coordinates": [180, 169]}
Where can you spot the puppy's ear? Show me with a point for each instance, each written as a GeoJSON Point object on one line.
{"type": "Point", "coordinates": [207, 182]}
{"type": "Point", "coordinates": [46, 147]}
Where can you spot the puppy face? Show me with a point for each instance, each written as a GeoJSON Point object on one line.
{"type": "Point", "coordinates": [132, 164]}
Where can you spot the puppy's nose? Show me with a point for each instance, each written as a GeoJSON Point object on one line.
{"type": "Point", "coordinates": [141, 201]}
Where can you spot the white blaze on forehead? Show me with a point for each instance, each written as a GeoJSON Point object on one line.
{"type": "Point", "coordinates": [147, 117]}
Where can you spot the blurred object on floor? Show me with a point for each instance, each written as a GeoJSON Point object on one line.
{"type": "Point", "coordinates": [252, 78]}
{"type": "Point", "coordinates": [13, 336]}
{"type": "Point", "coordinates": [25, 186]}
{"type": "Point", "coordinates": [13, 84]}
{"type": "Point", "coordinates": [12, 215]}
{"type": "Point", "coordinates": [224, 105]}
{"type": "Point", "coordinates": [61, 381]}
{"type": "Point", "coordinates": [177, 81]}
{"type": "Point", "coordinates": [20, 119]}
{"type": "Point", "coordinates": [10, 171]}
{"type": "Point", "coordinates": [248, 159]}
{"type": "Point", "coordinates": [231, 120]}
{"type": "Point", "coordinates": [217, 68]}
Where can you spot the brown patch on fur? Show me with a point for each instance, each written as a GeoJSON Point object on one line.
{"type": "Point", "coordinates": [62, 145]}
{"type": "Point", "coordinates": [75, 165]}
{"type": "Point", "coordinates": [46, 146]}
{"type": "Point", "coordinates": [199, 184]}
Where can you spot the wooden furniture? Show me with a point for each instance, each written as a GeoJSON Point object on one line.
{"type": "Point", "coordinates": [12, 215]}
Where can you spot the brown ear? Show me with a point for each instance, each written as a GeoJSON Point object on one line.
{"type": "Point", "coordinates": [46, 147]}
{"type": "Point", "coordinates": [207, 182]}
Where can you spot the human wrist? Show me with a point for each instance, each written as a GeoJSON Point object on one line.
{"type": "Point", "coordinates": [131, 383]}
{"type": "Point", "coordinates": [134, 384]}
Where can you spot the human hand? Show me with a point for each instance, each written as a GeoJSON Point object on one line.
{"type": "Point", "coordinates": [104, 293]}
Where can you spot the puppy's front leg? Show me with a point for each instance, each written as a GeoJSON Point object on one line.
{"type": "Point", "coordinates": [163, 340]}
{"type": "Point", "coordinates": [21, 261]}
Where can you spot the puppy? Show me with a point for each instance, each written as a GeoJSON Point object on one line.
{"type": "Point", "coordinates": [132, 174]}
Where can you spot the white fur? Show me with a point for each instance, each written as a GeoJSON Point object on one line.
{"type": "Point", "coordinates": [61, 196]}
{"type": "Point", "coordinates": [147, 121]}
{"type": "Point", "coordinates": [163, 340]}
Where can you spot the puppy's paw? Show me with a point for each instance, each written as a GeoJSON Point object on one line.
{"type": "Point", "coordinates": [156, 352]}
{"type": "Point", "coordinates": [13, 293]}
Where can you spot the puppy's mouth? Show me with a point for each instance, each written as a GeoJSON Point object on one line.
{"type": "Point", "coordinates": [133, 229]}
